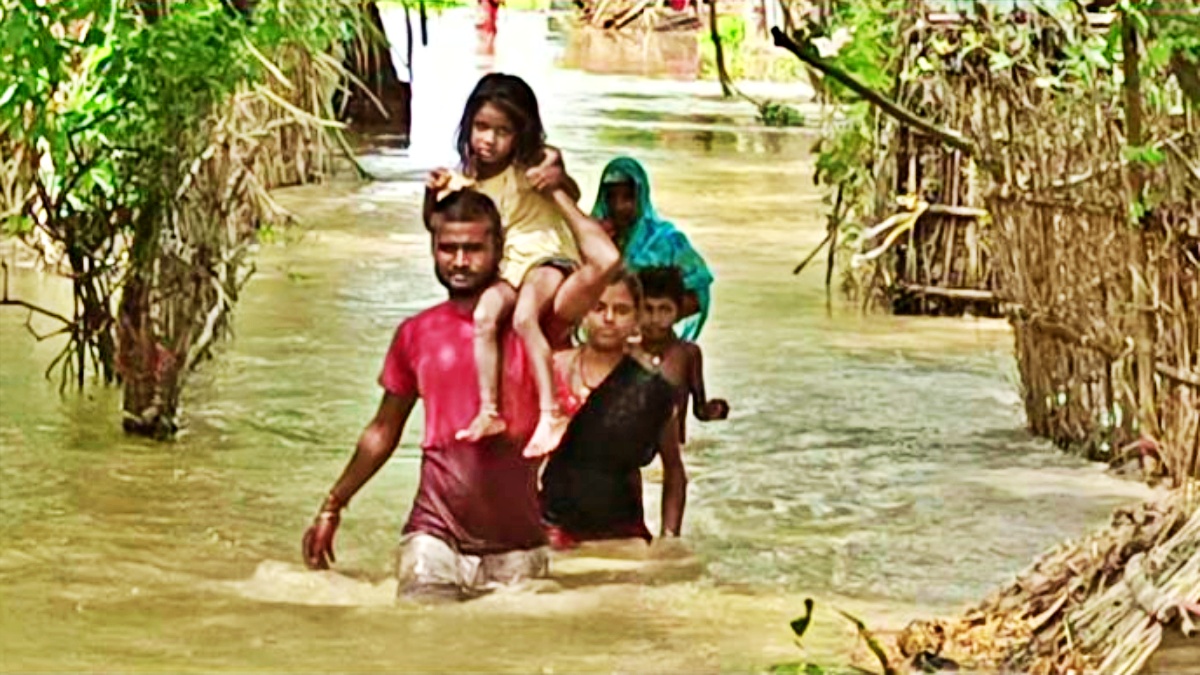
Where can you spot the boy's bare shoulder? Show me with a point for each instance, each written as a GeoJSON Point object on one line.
{"type": "Point", "coordinates": [683, 349]}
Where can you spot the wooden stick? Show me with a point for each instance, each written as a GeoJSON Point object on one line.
{"type": "Point", "coordinates": [1178, 375]}
{"type": "Point", "coordinates": [959, 293]}
{"type": "Point", "coordinates": [812, 254]}
{"type": "Point", "coordinates": [807, 54]}
{"type": "Point", "coordinates": [1144, 336]}
{"type": "Point", "coordinates": [962, 211]}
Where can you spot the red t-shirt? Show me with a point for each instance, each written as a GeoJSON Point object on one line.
{"type": "Point", "coordinates": [480, 496]}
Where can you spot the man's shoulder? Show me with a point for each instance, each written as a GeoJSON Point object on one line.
{"type": "Point", "coordinates": [435, 313]}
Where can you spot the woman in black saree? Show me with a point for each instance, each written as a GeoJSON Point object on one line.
{"type": "Point", "coordinates": [621, 408]}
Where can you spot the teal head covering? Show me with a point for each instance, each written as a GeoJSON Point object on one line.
{"type": "Point", "coordinates": [653, 242]}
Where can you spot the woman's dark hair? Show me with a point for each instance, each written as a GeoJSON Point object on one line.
{"type": "Point", "coordinates": [663, 282]}
{"type": "Point", "coordinates": [515, 98]}
{"type": "Point", "coordinates": [631, 282]}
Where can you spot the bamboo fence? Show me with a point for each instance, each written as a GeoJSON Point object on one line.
{"type": "Point", "coordinates": [1095, 258]}
{"type": "Point", "coordinates": [1106, 303]}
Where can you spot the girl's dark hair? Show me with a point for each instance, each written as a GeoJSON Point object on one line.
{"type": "Point", "coordinates": [516, 99]}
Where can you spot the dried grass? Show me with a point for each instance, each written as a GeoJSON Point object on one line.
{"type": "Point", "coordinates": [1099, 604]}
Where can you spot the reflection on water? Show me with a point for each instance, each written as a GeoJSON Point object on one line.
{"type": "Point", "coordinates": [879, 462]}
{"type": "Point", "coordinates": [674, 54]}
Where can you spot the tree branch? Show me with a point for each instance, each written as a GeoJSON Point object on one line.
{"type": "Point", "coordinates": [28, 305]}
{"type": "Point", "coordinates": [947, 136]}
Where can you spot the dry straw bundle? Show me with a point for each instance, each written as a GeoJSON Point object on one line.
{"type": "Point", "coordinates": [1100, 604]}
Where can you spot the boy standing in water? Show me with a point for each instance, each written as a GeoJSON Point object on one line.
{"type": "Point", "coordinates": [663, 295]}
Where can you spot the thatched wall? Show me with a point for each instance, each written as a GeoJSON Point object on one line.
{"type": "Point", "coordinates": [1098, 287]}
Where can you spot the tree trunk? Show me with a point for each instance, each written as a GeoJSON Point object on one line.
{"type": "Point", "coordinates": [722, 75]}
{"type": "Point", "coordinates": [142, 362]}
{"type": "Point", "coordinates": [371, 62]}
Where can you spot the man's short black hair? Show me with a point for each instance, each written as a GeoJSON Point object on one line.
{"type": "Point", "coordinates": [663, 282]}
{"type": "Point", "coordinates": [469, 206]}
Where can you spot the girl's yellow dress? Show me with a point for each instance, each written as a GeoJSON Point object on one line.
{"type": "Point", "coordinates": [534, 230]}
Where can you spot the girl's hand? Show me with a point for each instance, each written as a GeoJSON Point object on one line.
{"type": "Point", "coordinates": [441, 182]}
{"type": "Point", "coordinates": [438, 180]}
{"type": "Point", "coordinates": [544, 178]}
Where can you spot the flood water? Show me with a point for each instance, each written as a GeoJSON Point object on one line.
{"type": "Point", "coordinates": [876, 464]}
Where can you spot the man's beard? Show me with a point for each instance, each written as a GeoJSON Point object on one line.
{"type": "Point", "coordinates": [482, 281]}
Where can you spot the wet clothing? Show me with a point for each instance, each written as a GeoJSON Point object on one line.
{"type": "Point", "coordinates": [592, 485]}
{"type": "Point", "coordinates": [429, 566]}
{"type": "Point", "coordinates": [479, 497]}
{"type": "Point", "coordinates": [654, 242]}
{"type": "Point", "coordinates": [534, 230]}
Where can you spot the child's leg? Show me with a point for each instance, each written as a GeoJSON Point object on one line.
{"type": "Point", "coordinates": [536, 294]}
{"type": "Point", "coordinates": [493, 306]}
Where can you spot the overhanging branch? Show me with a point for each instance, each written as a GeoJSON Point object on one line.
{"type": "Point", "coordinates": [5, 300]}
{"type": "Point", "coordinates": [947, 136]}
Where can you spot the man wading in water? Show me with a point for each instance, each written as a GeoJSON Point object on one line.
{"type": "Point", "coordinates": [475, 519]}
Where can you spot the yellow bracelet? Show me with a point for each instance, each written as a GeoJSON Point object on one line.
{"type": "Point", "coordinates": [333, 503]}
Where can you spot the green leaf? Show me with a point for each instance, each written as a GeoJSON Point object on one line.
{"type": "Point", "coordinates": [1144, 155]}
{"type": "Point", "coordinates": [9, 93]}
{"type": "Point", "coordinates": [15, 226]}
{"type": "Point", "coordinates": [999, 61]}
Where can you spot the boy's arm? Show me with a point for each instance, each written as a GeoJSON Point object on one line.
{"type": "Point", "coordinates": [674, 494]}
{"type": "Point", "coordinates": [703, 409]}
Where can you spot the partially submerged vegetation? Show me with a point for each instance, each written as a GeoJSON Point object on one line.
{"type": "Point", "coordinates": [1079, 134]}
{"type": "Point", "coordinates": [139, 142]}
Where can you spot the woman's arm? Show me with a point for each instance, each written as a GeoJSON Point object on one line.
{"type": "Point", "coordinates": [674, 494]}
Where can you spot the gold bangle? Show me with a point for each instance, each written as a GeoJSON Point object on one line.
{"type": "Point", "coordinates": [333, 503]}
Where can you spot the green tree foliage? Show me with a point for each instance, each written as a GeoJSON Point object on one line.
{"type": "Point", "coordinates": [111, 112]}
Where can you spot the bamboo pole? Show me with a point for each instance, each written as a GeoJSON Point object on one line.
{"type": "Point", "coordinates": [1144, 321]}
{"type": "Point", "coordinates": [722, 74]}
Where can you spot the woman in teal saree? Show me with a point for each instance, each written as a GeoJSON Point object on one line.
{"type": "Point", "coordinates": [646, 240]}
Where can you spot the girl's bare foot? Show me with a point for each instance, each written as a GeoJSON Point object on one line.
{"type": "Point", "coordinates": [548, 434]}
{"type": "Point", "coordinates": [486, 423]}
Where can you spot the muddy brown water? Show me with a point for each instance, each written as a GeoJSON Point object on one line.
{"type": "Point", "coordinates": [876, 464]}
